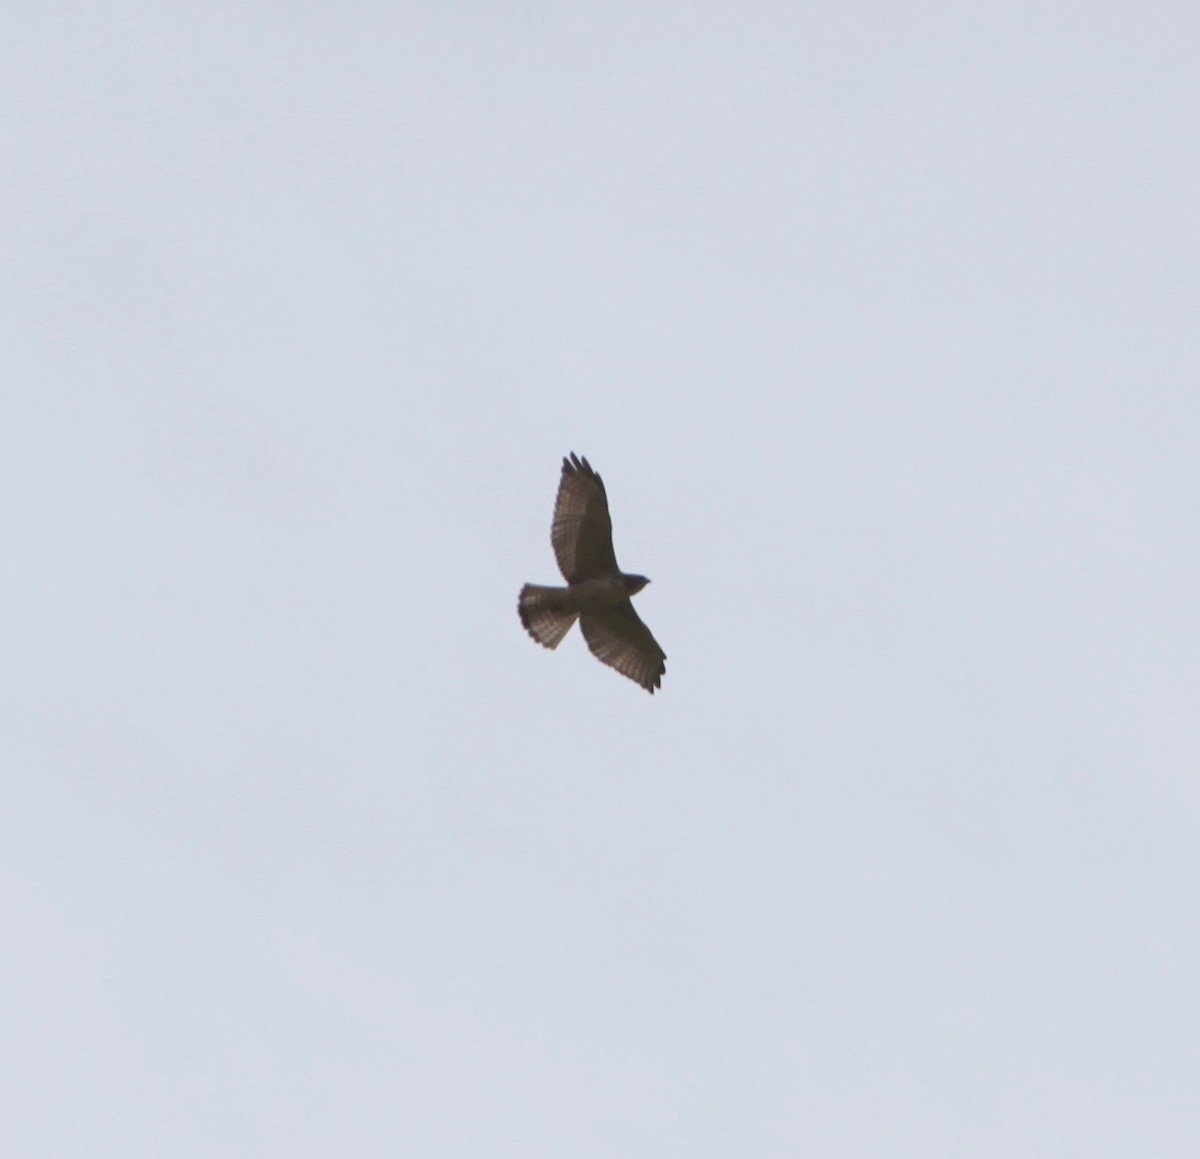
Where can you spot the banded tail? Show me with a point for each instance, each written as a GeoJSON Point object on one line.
{"type": "Point", "coordinates": [543, 615]}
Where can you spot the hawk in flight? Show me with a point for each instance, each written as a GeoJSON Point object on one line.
{"type": "Point", "coordinates": [597, 592]}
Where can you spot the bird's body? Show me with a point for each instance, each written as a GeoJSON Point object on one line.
{"type": "Point", "coordinates": [597, 591]}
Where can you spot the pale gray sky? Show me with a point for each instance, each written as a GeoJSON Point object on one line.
{"type": "Point", "coordinates": [881, 324]}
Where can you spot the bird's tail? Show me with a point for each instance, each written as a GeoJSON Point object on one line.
{"type": "Point", "coordinates": [542, 611]}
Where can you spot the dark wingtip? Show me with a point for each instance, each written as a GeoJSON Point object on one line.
{"type": "Point", "coordinates": [655, 682]}
{"type": "Point", "coordinates": [574, 463]}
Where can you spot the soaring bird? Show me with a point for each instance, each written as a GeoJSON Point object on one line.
{"type": "Point", "coordinates": [597, 592]}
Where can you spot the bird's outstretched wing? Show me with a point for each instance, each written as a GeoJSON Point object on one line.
{"type": "Point", "coordinates": [582, 530]}
{"type": "Point", "coordinates": [622, 641]}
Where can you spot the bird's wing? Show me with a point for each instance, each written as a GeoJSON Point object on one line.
{"type": "Point", "coordinates": [582, 530]}
{"type": "Point", "coordinates": [622, 641]}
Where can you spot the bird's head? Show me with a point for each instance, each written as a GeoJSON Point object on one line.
{"type": "Point", "coordinates": [634, 583]}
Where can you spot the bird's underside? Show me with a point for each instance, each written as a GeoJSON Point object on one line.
{"type": "Point", "coordinates": [597, 592]}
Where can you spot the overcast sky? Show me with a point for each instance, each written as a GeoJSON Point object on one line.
{"type": "Point", "coordinates": [882, 324]}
